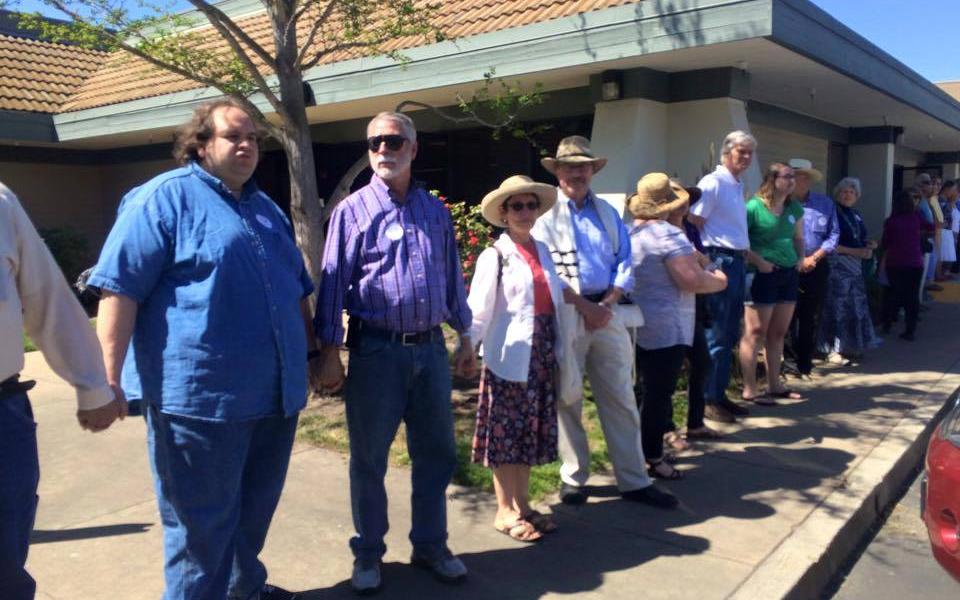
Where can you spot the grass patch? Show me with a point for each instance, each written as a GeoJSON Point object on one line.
{"type": "Point", "coordinates": [323, 424]}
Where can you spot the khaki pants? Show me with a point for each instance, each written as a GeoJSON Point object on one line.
{"type": "Point", "coordinates": [606, 356]}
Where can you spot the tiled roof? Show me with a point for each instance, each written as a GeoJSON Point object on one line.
{"type": "Point", "coordinates": [951, 87]}
{"type": "Point", "coordinates": [40, 76]}
{"type": "Point", "coordinates": [123, 78]}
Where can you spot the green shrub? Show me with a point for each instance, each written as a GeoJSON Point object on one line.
{"type": "Point", "coordinates": [69, 248]}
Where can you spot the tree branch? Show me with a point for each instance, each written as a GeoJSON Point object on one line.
{"type": "Point", "coordinates": [214, 15]}
{"type": "Point", "coordinates": [317, 24]}
{"type": "Point", "coordinates": [241, 54]}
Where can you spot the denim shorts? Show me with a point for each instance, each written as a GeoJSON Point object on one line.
{"type": "Point", "coordinates": [776, 287]}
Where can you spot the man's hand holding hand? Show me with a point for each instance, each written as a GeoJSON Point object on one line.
{"type": "Point", "coordinates": [98, 419]}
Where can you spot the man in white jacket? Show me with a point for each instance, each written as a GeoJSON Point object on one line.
{"type": "Point", "coordinates": [590, 247]}
{"type": "Point", "coordinates": [35, 296]}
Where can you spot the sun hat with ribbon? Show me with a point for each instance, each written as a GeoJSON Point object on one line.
{"type": "Point", "coordinates": [511, 186]}
{"type": "Point", "coordinates": [802, 165]}
{"type": "Point", "coordinates": [573, 150]}
{"type": "Point", "coordinates": [656, 197]}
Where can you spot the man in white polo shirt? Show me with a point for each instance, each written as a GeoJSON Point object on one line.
{"type": "Point", "coordinates": [721, 215]}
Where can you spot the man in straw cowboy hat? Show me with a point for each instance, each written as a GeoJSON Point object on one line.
{"type": "Point", "coordinates": [591, 250]}
{"type": "Point", "coordinates": [821, 232]}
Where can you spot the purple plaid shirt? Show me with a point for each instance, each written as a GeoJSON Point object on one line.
{"type": "Point", "coordinates": [394, 265]}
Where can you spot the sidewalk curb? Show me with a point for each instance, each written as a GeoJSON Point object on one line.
{"type": "Point", "coordinates": [805, 562]}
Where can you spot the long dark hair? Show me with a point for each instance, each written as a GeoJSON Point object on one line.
{"type": "Point", "coordinates": [196, 132]}
{"type": "Point", "coordinates": [903, 202]}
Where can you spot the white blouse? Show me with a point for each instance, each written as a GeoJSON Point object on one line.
{"type": "Point", "coordinates": [503, 314]}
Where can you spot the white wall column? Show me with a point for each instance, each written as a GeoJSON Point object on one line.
{"type": "Point", "coordinates": [873, 165]}
{"type": "Point", "coordinates": [694, 126]}
{"type": "Point", "coordinates": [632, 135]}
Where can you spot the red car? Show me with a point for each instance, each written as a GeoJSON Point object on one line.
{"type": "Point", "coordinates": [940, 492]}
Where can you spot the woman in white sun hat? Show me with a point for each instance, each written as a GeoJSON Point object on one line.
{"type": "Point", "coordinates": [514, 297]}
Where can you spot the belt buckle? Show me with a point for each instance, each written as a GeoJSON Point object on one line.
{"type": "Point", "coordinates": [406, 337]}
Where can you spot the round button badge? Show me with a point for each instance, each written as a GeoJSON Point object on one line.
{"type": "Point", "coordinates": [394, 232]}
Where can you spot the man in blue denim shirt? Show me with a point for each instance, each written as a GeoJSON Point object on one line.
{"type": "Point", "coordinates": [202, 274]}
{"type": "Point", "coordinates": [821, 231]}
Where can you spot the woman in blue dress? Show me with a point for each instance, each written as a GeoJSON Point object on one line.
{"type": "Point", "coordinates": [846, 329]}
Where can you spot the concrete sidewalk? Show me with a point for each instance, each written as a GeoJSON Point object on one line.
{"type": "Point", "coordinates": [766, 513]}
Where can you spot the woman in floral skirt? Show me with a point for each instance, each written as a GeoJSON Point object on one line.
{"type": "Point", "coordinates": [514, 297]}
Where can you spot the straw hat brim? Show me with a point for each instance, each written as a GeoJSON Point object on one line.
{"type": "Point", "coordinates": [814, 174]}
{"type": "Point", "coordinates": [550, 164]}
{"type": "Point", "coordinates": [648, 208]}
{"type": "Point", "coordinates": [491, 203]}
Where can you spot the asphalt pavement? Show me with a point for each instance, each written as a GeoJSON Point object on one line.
{"type": "Point", "coordinates": [897, 563]}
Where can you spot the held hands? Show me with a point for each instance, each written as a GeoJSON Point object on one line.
{"type": "Point", "coordinates": [764, 266]}
{"type": "Point", "coordinates": [326, 372]}
{"type": "Point", "coordinates": [98, 419]}
{"type": "Point", "coordinates": [464, 360]}
{"type": "Point", "coordinates": [596, 316]}
{"type": "Point", "coordinates": [808, 264]}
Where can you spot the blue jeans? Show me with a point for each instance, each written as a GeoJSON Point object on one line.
{"type": "Point", "coordinates": [217, 484]}
{"type": "Point", "coordinates": [726, 311]}
{"type": "Point", "coordinates": [388, 383]}
{"type": "Point", "coordinates": [19, 476]}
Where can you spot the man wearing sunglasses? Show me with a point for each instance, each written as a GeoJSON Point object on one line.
{"type": "Point", "coordinates": [391, 262]}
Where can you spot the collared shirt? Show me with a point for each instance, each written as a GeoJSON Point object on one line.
{"type": "Point", "coordinates": [601, 265]}
{"type": "Point", "coordinates": [35, 296]}
{"type": "Point", "coordinates": [219, 332]}
{"type": "Point", "coordinates": [820, 227]}
{"type": "Point", "coordinates": [725, 209]}
{"type": "Point", "coordinates": [392, 263]}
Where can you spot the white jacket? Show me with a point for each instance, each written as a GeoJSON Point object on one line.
{"type": "Point", "coordinates": [503, 315]}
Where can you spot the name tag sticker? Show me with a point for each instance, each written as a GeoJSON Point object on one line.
{"type": "Point", "coordinates": [822, 220]}
{"type": "Point", "coordinates": [394, 232]}
{"type": "Point", "coordinates": [264, 221]}
{"type": "Point", "coordinates": [792, 219]}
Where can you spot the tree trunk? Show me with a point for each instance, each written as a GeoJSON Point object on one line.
{"type": "Point", "coordinates": [343, 186]}
{"type": "Point", "coordinates": [305, 204]}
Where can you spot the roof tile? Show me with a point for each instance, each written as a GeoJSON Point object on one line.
{"type": "Point", "coordinates": [40, 76]}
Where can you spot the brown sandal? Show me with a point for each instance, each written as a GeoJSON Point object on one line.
{"type": "Point", "coordinates": [521, 531]}
{"type": "Point", "coordinates": [541, 522]}
{"type": "Point", "coordinates": [675, 441]}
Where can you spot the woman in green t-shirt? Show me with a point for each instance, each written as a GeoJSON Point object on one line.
{"type": "Point", "coordinates": [775, 226]}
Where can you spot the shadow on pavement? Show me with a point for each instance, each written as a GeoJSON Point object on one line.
{"type": "Point", "coordinates": [46, 536]}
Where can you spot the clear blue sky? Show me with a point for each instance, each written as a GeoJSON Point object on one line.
{"type": "Point", "coordinates": [923, 34]}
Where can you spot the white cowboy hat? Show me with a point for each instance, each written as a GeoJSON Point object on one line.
{"type": "Point", "coordinates": [803, 165]}
{"type": "Point", "coordinates": [511, 186]}
{"type": "Point", "coordinates": [574, 149]}
{"type": "Point", "coordinates": [656, 197]}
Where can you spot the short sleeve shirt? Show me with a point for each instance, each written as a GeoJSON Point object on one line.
{"type": "Point", "coordinates": [722, 206]}
{"type": "Point", "coordinates": [218, 281]}
{"type": "Point", "coordinates": [771, 236]}
{"type": "Point", "coordinates": [668, 312]}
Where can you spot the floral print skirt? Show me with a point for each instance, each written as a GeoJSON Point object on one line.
{"type": "Point", "coordinates": [845, 324]}
{"type": "Point", "coordinates": [517, 422]}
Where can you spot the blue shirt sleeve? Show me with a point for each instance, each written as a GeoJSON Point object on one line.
{"type": "Point", "coordinates": [461, 317]}
{"type": "Point", "coordinates": [138, 248]}
{"type": "Point", "coordinates": [833, 236]}
{"type": "Point", "coordinates": [623, 274]}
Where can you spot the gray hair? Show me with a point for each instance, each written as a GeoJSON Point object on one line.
{"type": "Point", "coordinates": [405, 122]}
{"type": "Point", "coordinates": [922, 178]}
{"type": "Point", "coordinates": [738, 138]}
{"type": "Point", "coordinates": [847, 183]}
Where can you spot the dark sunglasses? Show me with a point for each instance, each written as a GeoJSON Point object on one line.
{"type": "Point", "coordinates": [518, 206]}
{"type": "Point", "coordinates": [394, 142]}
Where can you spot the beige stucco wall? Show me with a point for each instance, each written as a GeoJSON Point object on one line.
{"type": "Point", "coordinates": [79, 197]}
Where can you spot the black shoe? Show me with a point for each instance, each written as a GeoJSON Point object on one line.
{"type": "Point", "coordinates": [653, 496]}
{"type": "Point", "coordinates": [718, 413]}
{"type": "Point", "coordinates": [572, 494]}
{"type": "Point", "coordinates": [733, 408]}
{"type": "Point", "coordinates": [272, 592]}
